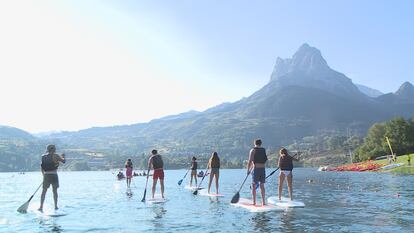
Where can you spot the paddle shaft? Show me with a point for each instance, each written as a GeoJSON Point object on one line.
{"type": "Point", "coordinates": [146, 184]}
{"type": "Point", "coordinates": [244, 181]}
{"type": "Point", "coordinates": [35, 192]}
{"type": "Point", "coordinates": [205, 174]}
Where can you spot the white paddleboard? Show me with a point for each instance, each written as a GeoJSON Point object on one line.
{"type": "Point", "coordinates": [211, 194]}
{"type": "Point", "coordinates": [193, 187]}
{"type": "Point", "coordinates": [285, 202]}
{"type": "Point", "coordinates": [156, 200]}
{"type": "Point", "coordinates": [51, 213]}
{"type": "Point", "coordinates": [391, 166]}
{"type": "Point", "coordinates": [247, 204]}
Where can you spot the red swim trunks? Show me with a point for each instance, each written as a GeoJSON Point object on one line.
{"type": "Point", "coordinates": [158, 174]}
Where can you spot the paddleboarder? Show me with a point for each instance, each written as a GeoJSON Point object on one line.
{"type": "Point", "coordinates": [128, 168]}
{"type": "Point", "coordinates": [285, 165]}
{"type": "Point", "coordinates": [49, 166]}
{"type": "Point", "coordinates": [194, 166]}
{"type": "Point", "coordinates": [156, 162]}
{"type": "Point", "coordinates": [256, 164]}
{"type": "Point", "coordinates": [214, 166]}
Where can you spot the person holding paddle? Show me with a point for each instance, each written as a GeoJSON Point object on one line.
{"type": "Point", "coordinates": [155, 161]}
{"type": "Point", "coordinates": [193, 171]}
{"type": "Point", "coordinates": [256, 164]}
{"type": "Point", "coordinates": [214, 166]}
{"type": "Point", "coordinates": [286, 166]}
{"type": "Point", "coordinates": [49, 166]}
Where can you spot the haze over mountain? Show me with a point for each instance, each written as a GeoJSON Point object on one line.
{"type": "Point", "coordinates": [371, 92]}
{"type": "Point", "coordinates": [303, 97]}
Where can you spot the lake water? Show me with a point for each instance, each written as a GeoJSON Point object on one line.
{"type": "Point", "coordinates": [96, 202]}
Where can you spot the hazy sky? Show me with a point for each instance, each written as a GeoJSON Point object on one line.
{"type": "Point", "coordinates": [68, 65]}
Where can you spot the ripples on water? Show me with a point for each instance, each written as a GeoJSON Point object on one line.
{"type": "Point", "coordinates": [96, 202]}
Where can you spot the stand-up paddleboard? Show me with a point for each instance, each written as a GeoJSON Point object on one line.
{"type": "Point", "coordinates": [50, 213]}
{"type": "Point", "coordinates": [156, 200]}
{"type": "Point", "coordinates": [193, 187]}
{"type": "Point", "coordinates": [391, 166]}
{"type": "Point", "coordinates": [247, 204]}
{"type": "Point", "coordinates": [285, 202]}
{"type": "Point", "coordinates": [211, 194]}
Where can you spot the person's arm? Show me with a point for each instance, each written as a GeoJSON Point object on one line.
{"type": "Point", "coordinates": [209, 164]}
{"type": "Point", "coordinates": [295, 158]}
{"type": "Point", "coordinates": [249, 164]}
{"type": "Point", "coordinates": [278, 162]}
{"type": "Point", "coordinates": [60, 158]}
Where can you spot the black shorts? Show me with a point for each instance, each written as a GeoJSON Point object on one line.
{"type": "Point", "coordinates": [259, 175]}
{"type": "Point", "coordinates": [50, 179]}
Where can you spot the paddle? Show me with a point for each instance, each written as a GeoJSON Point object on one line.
{"type": "Point", "coordinates": [146, 184]}
{"type": "Point", "coordinates": [199, 184]}
{"type": "Point", "coordinates": [273, 172]}
{"type": "Point", "coordinates": [181, 181]}
{"type": "Point", "coordinates": [236, 196]}
{"type": "Point", "coordinates": [23, 208]}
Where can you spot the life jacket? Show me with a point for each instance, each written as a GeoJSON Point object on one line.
{"type": "Point", "coordinates": [259, 155]}
{"type": "Point", "coordinates": [194, 165]}
{"type": "Point", "coordinates": [48, 164]}
{"type": "Point", "coordinates": [286, 163]}
{"type": "Point", "coordinates": [157, 162]}
{"type": "Point", "coordinates": [215, 163]}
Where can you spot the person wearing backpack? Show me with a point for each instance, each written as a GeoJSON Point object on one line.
{"type": "Point", "coordinates": [49, 166]}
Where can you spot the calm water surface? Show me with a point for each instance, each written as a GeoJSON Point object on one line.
{"type": "Point", "coordinates": [96, 202]}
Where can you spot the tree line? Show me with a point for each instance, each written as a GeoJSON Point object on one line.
{"type": "Point", "coordinates": [399, 131]}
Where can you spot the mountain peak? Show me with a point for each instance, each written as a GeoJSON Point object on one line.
{"type": "Point", "coordinates": [406, 91]}
{"type": "Point", "coordinates": [307, 68]}
{"type": "Point", "coordinates": [306, 59]}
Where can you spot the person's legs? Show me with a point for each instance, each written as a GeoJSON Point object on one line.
{"type": "Point", "coordinates": [191, 179]}
{"type": "Point", "coordinates": [55, 196]}
{"type": "Point", "coordinates": [280, 187]}
{"type": "Point", "coordinates": [290, 188]}
{"type": "Point", "coordinates": [209, 181]}
{"type": "Point", "coordinates": [262, 191]}
{"type": "Point", "coordinates": [42, 197]}
{"type": "Point", "coordinates": [162, 187]}
{"type": "Point", "coordinates": [154, 184]}
{"type": "Point", "coordinates": [217, 184]}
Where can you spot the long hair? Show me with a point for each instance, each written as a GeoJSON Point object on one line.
{"type": "Point", "coordinates": [214, 157]}
{"type": "Point", "coordinates": [283, 151]}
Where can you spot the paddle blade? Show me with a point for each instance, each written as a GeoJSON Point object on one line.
{"type": "Point", "coordinates": [235, 198]}
{"type": "Point", "coordinates": [195, 192]}
{"type": "Point", "coordinates": [145, 193]}
{"type": "Point", "coordinates": [23, 208]}
{"type": "Point", "coordinates": [180, 181]}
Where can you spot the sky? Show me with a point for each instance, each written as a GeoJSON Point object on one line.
{"type": "Point", "coordinates": [70, 65]}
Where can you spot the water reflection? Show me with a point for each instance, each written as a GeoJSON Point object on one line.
{"type": "Point", "coordinates": [261, 222]}
{"type": "Point", "coordinates": [50, 226]}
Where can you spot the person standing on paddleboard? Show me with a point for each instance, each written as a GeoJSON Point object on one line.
{"type": "Point", "coordinates": [128, 168]}
{"type": "Point", "coordinates": [194, 166]}
{"type": "Point", "coordinates": [257, 163]}
{"type": "Point", "coordinates": [155, 161]}
{"type": "Point", "coordinates": [214, 166]}
{"type": "Point", "coordinates": [285, 165]}
{"type": "Point", "coordinates": [49, 166]}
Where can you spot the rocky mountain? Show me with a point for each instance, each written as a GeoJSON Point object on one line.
{"type": "Point", "coordinates": [303, 97]}
{"type": "Point", "coordinates": [371, 92]}
{"type": "Point", "coordinates": [406, 91]}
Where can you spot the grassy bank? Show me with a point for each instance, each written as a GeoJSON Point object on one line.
{"type": "Point", "coordinates": [405, 169]}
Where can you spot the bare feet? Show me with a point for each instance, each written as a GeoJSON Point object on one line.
{"type": "Point", "coordinates": [56, 208]}
{"type": "Point", "coordinates": [40, 209]}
